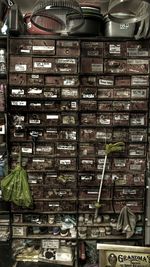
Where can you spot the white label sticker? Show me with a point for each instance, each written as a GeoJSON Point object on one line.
{"type": "Point", "coordinates": [26, 150]}
{"type": "Point", "coordinates": [52, 117]}
{"type": "Point", "coordinates": [69, 82]}
{"type": "Point", "coordinates": [97, 67]}
{"type": "Point", "coordinates": [42, 64]}
{"type": "Point", "coordinates": [106, 82]}
{"type": "Point", "coordinates": [114, 49]}
{"type": "Point", "coordinates": [20, 67]}
{"type": "Point", "coordinates": [19, 103]}
{"type": "Point", "coordinates": [17, 92]}
{"type": "Point", "coordinates": [25, 50]}
{"type": "Point", "coordinates": [43, 48]}
{"type": "Point", "coordinates": [66, 61]}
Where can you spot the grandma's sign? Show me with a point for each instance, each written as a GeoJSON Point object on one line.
{"type": "Point", "coordinates": [123, 256]}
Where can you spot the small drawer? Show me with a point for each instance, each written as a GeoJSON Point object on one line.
{"type": "Point", "coordinates": [89, 206]}
{"type": "Point", "coordinates": [138, 66]}
{"type": "Point", "coordinates": [88, 164]}
{"type": "Point", "coordinates": [105, 93]}
{"type": "Point", "coordinates": [120, 164]}
{"type": "Point", "coordinates": [122, 105]}
{"type": "Point", "coordinates": [100, 164]}
{"type": "Point", "coordinates": [88, 119]}
{"type": "Point", "coordinates": [87, 150]}
{"type": "Point", "coordinates": [91, 65]}
{"type": "Point", "coordinates": [134, 206]}
{"type": "Point", "coordinates": [50, 106]}
{"type": "Point", "coordinates": [121, 93]}
{"type": "Point", "coordinates": [140, 80]}
{"type": "Point", "coordinates": [138, 93]}
{"type": "Point", "coordinates": [35, 178]}
{"type": "Point", "coordinates": [92, 49]}
{"type": "Point", "coordinates": [18, 92]}
{"type": "Point", "coordinates": [51, 134]}
{"type": "Point", "coordinates": [66, 65]}
{"type": "Point", "coordinates": [137, 49]}
{"type": "Point", "coordinates": [128, 193]}
{"type": "Point", "coordinates": [34, 92]}
{"type": "Point", "coordinates": [42, 149]}
{"type": "Point", "coordinates": [43, 65]}
{"type": "Point", "coordinates": [139, 105]}
{"type": "Point", "coordinates": [67, 48]}
{"type": "Point", "coordinates": [93, 193]}
{"type": "Point", "coordinates": [35, 119]}
{"type": "Point", "coordinates": [18, 105]}
{"type": "Point", "coordinates": [68, 134]}
{"type": "Point", "coordinates": [104, 119]}
{"type": "Point", "coordinates": [59, 206]}
{"type": "Point", "coordinates": [87, 179]}
{"type": "Point", "coordinates": [120, 135]}
{"type": "Point", "coordinates": [137, 164]}
{"type": "Point", "coordinates": [104, 134]}
{"type": "Point", "coordinates": [87, 134]}
{"type": "Point", "coordinates": [67, 93]}
{"type": "Point", "coordinates": [121, 119]}
{"type": "Point", "coordinates": [88, 92]}
{"type": "Point", "coordinates": [138, 119]}
{"type": "Point", "coordinates": [17, 79]}
{"type": "Point", "coordinates": [115, 49]}
{"type": "Point", "coordinates": [66, 164]}
{"type": "Point", "coordinates": [137, 150]}
{"type": "Point", "coordinates": [37, 191]}
{"type": "Point", "coordinates": [20, 64]}
{"type": "Point", "coordinates": [88, 80]}
{"type": "Point", "coordinates": [69, 105]}
{"type": "Point", "coordinates": [115, 66]}
{"type": "Point", "coordinates": [50, 193]}
{"type": "Point", "coordinates": [122, 81]}
{"type": "Point", "coordinates": [70, 119]}
{"type": "Point", "coordinates": [35, 79]}
{"type": "Point", "coordinates": [41, 163]}
{"type": "Point", "coordinates": [51, 93]}
{"type": "Point", "coordinates": [63, 180]}
{"type": "Point", "coordinates": [66, 149]}
{"type": "Point", "coordinates": [52, 119]}
{"type": "Point", "coordinates": [107, 81]}
{"type": "Point", "coordinates": [43, 47]}
{"type": "Point", "coordinates": [137, 135]}
{"type": "Point", "coordinates": [20, 46]}
{"type": "Point", "coordinates": [105, 106]}
{"type": "Point", "coordinates": [88, 105]}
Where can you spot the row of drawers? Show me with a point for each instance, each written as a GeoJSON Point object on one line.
{"type": "Point", "coordinates": [23, 79]}
{"type": "Point", "coordinates": [71, 65]}
{"type": "Point", "coordinates": [76, 48]}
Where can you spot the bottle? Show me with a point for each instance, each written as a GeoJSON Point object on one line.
{"type": "Point", "coordinates": [2, 61]}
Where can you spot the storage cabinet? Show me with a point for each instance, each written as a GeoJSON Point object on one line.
{"type": "Point", "coordinates": [4, 207]}
{"type": "Point", "coordinates": [67, 99]}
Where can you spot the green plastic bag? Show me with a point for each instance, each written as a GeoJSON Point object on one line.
{"type": "Point", "coordinates": [15, 188]}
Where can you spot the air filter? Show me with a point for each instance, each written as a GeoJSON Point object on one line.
{"type": "Point", "coordinates": [61, 11]}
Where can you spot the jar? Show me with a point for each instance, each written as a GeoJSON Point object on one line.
{"type": "Point", "coordinates": [2, 61]}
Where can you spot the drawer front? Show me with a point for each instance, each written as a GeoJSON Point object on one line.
{"type": "Point", "coordinates": [20, 64]}
{"type": "Point", "coordinates": [67, 48]}
{"type": "Point", "coordinates": [43, 47]}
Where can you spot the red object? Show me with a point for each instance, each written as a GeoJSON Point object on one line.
{"type": "Point", "coordinates": [48, 22]}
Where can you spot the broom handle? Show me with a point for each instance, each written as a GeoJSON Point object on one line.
{"type": "Point", "coordinates": [101, 184]}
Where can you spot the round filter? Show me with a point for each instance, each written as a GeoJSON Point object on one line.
{"type": "Point", "coordinates": [60, 11]}
{"type": "Point", "coordinates": [128, 11]}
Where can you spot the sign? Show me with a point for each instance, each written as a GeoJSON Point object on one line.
{"type": "Point", "coordinates": [123, 256]}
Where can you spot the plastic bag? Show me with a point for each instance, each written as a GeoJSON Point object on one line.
{"type": "Point", "coordinates": [15, 188]}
